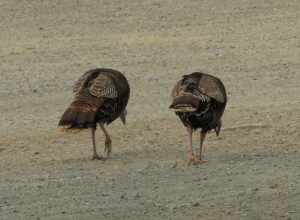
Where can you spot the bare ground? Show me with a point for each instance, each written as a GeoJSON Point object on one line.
{"type": "Point", "coordinates": [254, 166]}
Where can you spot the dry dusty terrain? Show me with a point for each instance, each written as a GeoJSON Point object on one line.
{"type": "Point", "coordinates": [254, 166]}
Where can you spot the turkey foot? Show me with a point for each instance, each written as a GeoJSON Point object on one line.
{"type": "Point", "coordinates": [108, 147]}
{"type": "Point", "coordinates": [97, 157]}
{"type": "Point", "coordinates": [195, 161]}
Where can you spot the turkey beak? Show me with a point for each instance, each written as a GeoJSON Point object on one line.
{"type": "Point", "coordinates": [123, 117]}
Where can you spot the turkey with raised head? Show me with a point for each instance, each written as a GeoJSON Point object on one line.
{"type": "Point", "coordinates": [100, 96]}
{"type": "Point", "coordinates": [199, 100]}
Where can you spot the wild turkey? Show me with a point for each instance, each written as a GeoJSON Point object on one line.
{"type": "Point", "coordinates": [100, 96]}
{"type": "Point", "coordinates": [199, 100]}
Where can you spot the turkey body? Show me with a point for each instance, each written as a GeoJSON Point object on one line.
{"type": "Point", "coordinates": [199, 100]}
{"type": "Point", "coordinates": [100, 96]}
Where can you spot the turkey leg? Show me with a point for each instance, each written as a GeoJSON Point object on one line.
{"type": "Point", "coordinates": [95, 154]}
{"type": "Point", "coordinates": [108, 147]}
{"type": "Point", "coordinates": [202, 138]}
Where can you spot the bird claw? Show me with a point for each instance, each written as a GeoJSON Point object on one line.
{"type": "Point", "coordinates": [196, 161]}
{"type": "Point", "coordinates": [108, 147]}
{"type": "Point", "coordinates": [97, 157]}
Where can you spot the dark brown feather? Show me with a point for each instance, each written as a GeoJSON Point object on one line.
{"type": "Point", "coordinates": [212, 87]}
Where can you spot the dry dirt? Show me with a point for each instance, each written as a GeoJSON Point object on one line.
{"type": "Point", "coordinates": [254, 166]}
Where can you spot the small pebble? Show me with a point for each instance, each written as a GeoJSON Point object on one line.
{"type": "Point", "coordinates": [137, 195]}
{"type": "Point", "coordinates": [196, 204]}
{"type": "Point", "coordinates": [123, 196]}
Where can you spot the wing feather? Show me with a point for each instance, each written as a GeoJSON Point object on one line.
{"type": "Point", "coordinates": [79, 84]}
{"type": "Point", "coordinates": [212, 88]}
{"type": "Point", "coordinates": [103, 86]}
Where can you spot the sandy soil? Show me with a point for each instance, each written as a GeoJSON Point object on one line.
{"type": "Point", "coordinates": [254, 166]}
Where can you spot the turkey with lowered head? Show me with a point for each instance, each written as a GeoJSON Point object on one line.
{"type": "Point", "coordinates": [100, 96]}
{"type": "Point", "coordinates": [199, 100]}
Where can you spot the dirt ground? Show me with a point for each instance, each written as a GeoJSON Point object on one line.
{"type": "Point", "coordinates": [254, 166]}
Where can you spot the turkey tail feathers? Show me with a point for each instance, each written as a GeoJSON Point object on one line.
{"type": "Point", "coordinates": [79, 115]}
